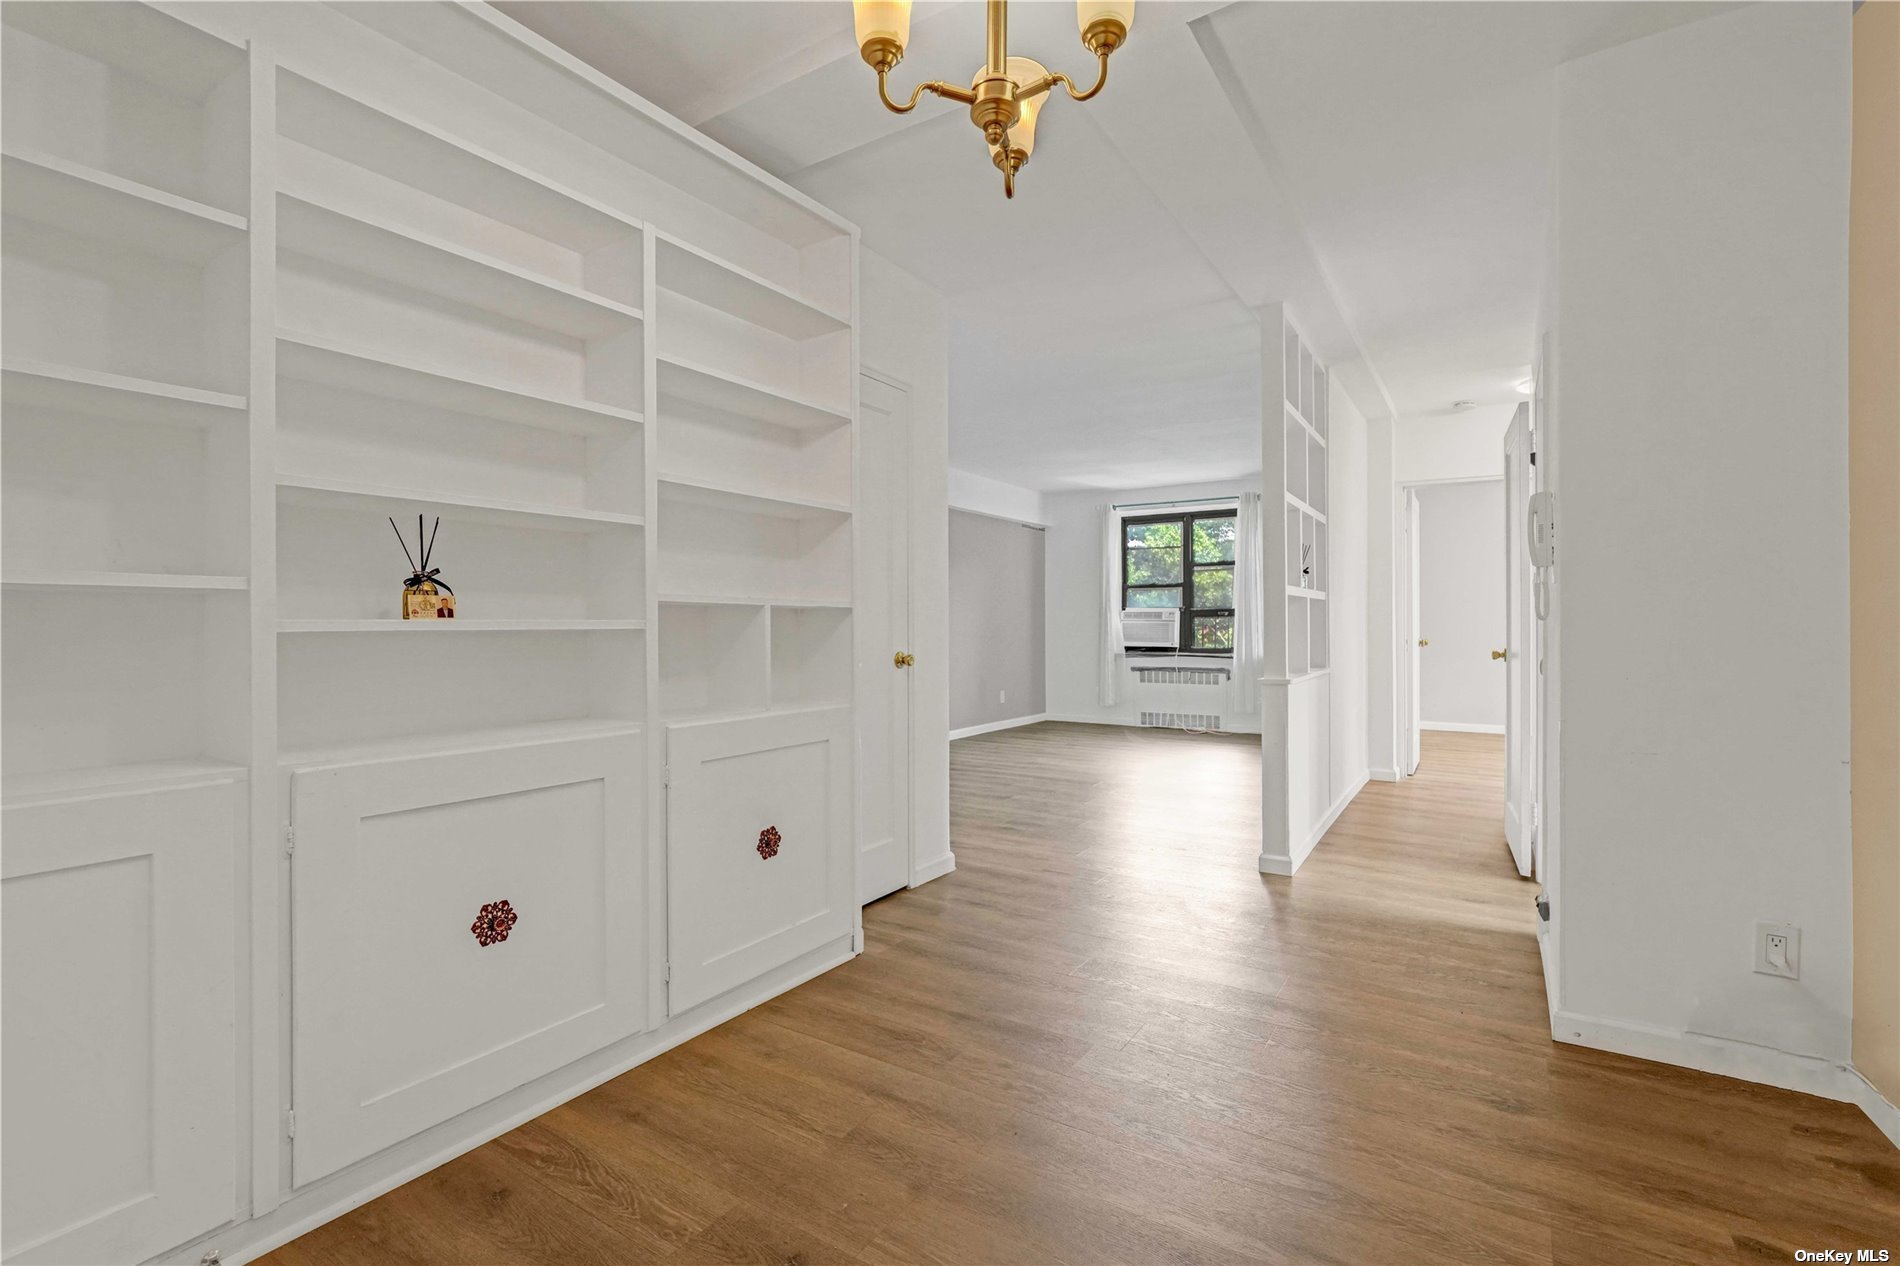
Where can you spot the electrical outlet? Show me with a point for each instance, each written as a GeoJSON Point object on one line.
{"type": "Point", "coordinates": [1002, 696]}
{"type": "Point", "coordinates": [1778, 950]}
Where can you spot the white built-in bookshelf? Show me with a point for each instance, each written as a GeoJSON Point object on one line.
{"type": "Point", "coordinates": [1308, 647]}
{"type": "Point", "coordinates": [274, 275]}
{"type": "Point", "coordinates": [1296, 729]}
{"type": "Point", "coordinates": [126, 555]}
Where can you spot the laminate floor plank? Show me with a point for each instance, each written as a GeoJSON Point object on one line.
{"type": "Point", "coordinates": [1105, 1038]}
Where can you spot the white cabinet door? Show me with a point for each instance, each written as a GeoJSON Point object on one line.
{"type": "Point", "coordinates": [402, 1016]}
{"type": "Point", "coordinates": [759, 844]}
{"type": "Point", "coordinates": [120, 1085]}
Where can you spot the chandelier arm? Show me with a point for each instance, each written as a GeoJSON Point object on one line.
{"type": "Point", "coordinates": [1049, 81]}
{"type": "Point", "coordinates": [949, 91]}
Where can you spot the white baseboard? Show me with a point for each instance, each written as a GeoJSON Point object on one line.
{"type": "Point", "coordinates": [331, 1197]}
{"type": "Point", "coordinates": [1879, 1109]}
{"type": "Point", "coordinates": [1229, 725]}
{"type": "Point", "coordinates": [937, 869]}
{"type": "Point", "coordinates": [1460, 727]}
{"type": "Point", "coordinates": [990, 727]}
{"type": "Point", "coordinates": [1723, 1056]}
{"type": "Point", "coordinates": [1383, 775]}
{"type": "Point", "coordinates": [1288, 865]}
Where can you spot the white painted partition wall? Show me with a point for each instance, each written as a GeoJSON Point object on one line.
{"type": "Point", "coordinates": [1298, 770]}
{"type": "Point", "coordinates": [272, 274]}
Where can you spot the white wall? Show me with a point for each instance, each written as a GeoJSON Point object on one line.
{"type": "Point", "coordinates": [905, 334]}
{"type": "Point", "coordinates": [981, 495]}
{"type": "Point", "coordinates": [997, 650]}
{"type": "Point", "coordinates": [1073, 616]}
{"type": "Point", "coordinates": [1381, 598]}
{"type": "Point", "coordinates": [1696, 441]}
{"type": "Point", "coordinates": [1348, 587]}
{"type": "Point", "coordinates": [1461, 605]}
{"type": "Point", "coordinates": [1468, 445]}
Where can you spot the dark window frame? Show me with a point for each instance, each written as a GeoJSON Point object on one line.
{"type": "Point", "coordinates": [1186, 519]}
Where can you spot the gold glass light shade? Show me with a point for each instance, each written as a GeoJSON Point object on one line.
{"type": "Point", "coordinates": [883, 19]}
{"type": "Point", "coordinates": [1099, 20]}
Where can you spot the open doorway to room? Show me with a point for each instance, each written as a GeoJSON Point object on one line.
{"type": "Point", "coordinates": [1453, 565]}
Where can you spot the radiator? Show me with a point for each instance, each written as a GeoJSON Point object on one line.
{"type": "Point", "coordinates": [1182, 720]}
{"type": "Point", "coordinates": [1181, 676]}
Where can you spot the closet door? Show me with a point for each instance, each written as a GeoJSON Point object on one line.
{"type": "Point", "coordinates": [760, 853]}
{"type": "Point", "coordinates": [463, 923]}
{"type": "Point", "coordinates": [119, 1085]}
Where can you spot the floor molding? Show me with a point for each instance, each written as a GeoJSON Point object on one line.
{"type": "Point", "coordinates": [990, 727]}
{"type": "Point", "coordinates": [937, 869]}
{"type": "Point", "coordinates": [1286, 866]}
{"type": "Point", "coordinates": [1251, 729]}
{"type": "Point", "coordinates": [1383, 775]}
{"type": "Point", "coordinates": [1723, 1056]}
{"type": "Point", "coordinates": [371, 1177]}
{"type": "Point", "coordinates": [1460, 727]}
{"type": "Point", "coordinates": [1881, 1110]}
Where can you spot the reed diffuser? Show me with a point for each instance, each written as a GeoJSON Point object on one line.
{"type": "Point", "coordinates": [425, 595]}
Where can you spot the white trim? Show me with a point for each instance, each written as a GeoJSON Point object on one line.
{"type": "Point", "coordinates": [1383, 775]}
{"type": "Point", "coordinates": [1723, 1056]}
{"type": "Point", "coordinates": [1460, 727]}
{"type": "Point", "coordinates": [357, 1185]}
{"type": "Point", "coordinates": [1286, 866]}
{"type": "Point", "coordinates": [928, 871]}
{"type": "Point", "coordinates": [1879, 1109]}
{"type": "Point", "coordinates": [1251, 729]}
{"type": "Point", "coordinates": [990, 727]}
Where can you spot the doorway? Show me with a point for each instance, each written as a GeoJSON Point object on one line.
{"type": "Point", "coordinates": [884, 636]}
{"type": "Point", "coordinates": [1452, 610]}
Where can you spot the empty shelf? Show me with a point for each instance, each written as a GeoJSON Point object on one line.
{"type": "Point", "coordinates": [100, 394]}
{"type": "Point", "coordinates": [392, 253]}
{"type": "Point", "coordinates": [774, 505]}
{"type": "Point", "coordinates": [728, 393]}
{"type": "Point", "coordinates": [459, 624]}
{"type": "Point", "coordinates": [309, 490]}
{"type": "Point", "coordinates": [415, 745]}
{"type": "Point", "coordinates": [310, 358]}
{"type": "Point", "coordinates": [79, 199]}
{"type": "Point", "coordinates": [113, 780]}
{"type": "Point", "coordinates": [689, 271]}
{"type": "Point", "coordinates": [120, 581]}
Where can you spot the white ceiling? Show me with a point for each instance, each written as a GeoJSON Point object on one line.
{"type": "Point", "coordinates": [1381, 167]}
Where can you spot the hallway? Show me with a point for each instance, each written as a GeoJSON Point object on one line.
{"type": "Point", "coordinates": [1105, 1038]}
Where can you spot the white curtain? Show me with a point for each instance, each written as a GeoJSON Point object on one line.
{"type": "Point", "coordinates": [1111, 648]}
{"type": "Point", "coordinates": [1250, 610]}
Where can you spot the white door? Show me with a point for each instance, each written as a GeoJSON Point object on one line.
{"type": "Point", "coordinates": [461, 924]}
{"type": "Point", "coordinates": [1414, 638]}
{"type": "Point", "coordinates": [1520, 693]}
{"type": "Point", "coordinates": [758, 847]}
{"type": "Point", "coordinates": [883, 587]}
{"type": "Point", "coordinates": [120, 1087]}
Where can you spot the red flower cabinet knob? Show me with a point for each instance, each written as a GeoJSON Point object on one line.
{"type": "Point", "coordinates": [493, 924]}
{"type": "Point", "coordinates": [769, 840]}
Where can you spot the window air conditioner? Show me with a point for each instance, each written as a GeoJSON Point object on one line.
{"type": "Point", "coordinates": [1157, 628]}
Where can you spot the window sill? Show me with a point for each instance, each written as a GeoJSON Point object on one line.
{"type": "Point", "coordinates": [1182, 659]}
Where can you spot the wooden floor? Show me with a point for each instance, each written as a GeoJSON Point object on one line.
{"type": "Point", "coordinates": [1106, 1038]}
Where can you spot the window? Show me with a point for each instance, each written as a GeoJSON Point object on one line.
{"type": "Point", "coordinates": [1185, 561]}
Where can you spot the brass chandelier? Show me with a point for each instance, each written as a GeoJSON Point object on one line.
{"type": "Point", "coordinates": [1007, 93]}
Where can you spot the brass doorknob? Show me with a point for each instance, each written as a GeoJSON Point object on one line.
{"type": "Point", "coordinates": [1424, 641]}
{"type": "Point", "coordinates": [1497, 654]}
{"type": "Point", "coordinates": [903, 659]}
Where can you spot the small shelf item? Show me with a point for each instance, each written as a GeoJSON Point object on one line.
{"type": "Point", "coordinates": [425, 596]}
